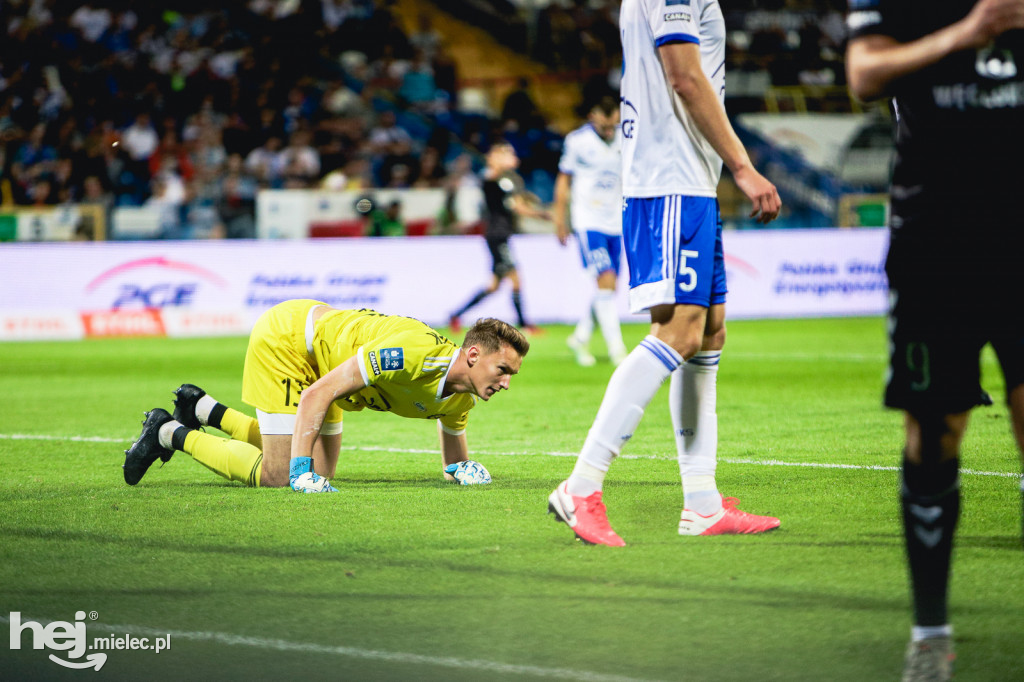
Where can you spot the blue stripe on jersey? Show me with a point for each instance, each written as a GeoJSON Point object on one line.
{"type": "Point", "coordinates": [659, 349]}
{"type": "Point", "coordinates": [676, 38]}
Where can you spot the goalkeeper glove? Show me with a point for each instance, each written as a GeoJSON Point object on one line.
{"type": "Point", "coordinates": [468, 472]}
{"type": "Point", "coordinates": [303, 480]}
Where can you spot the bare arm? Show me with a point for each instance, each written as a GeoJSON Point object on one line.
{"type": "Point", "coordinates": [681, 62]}
{"type": "Point", "coordinates": [341, 382]}
{"type": "Point", "coordinates": [527, 209]}
{"type": "Point", "coordinates": [563, 186]}
{"type": "Point", "coordinates": [874, 62]}
{"type": "Point", "coordinates": [453, 449]}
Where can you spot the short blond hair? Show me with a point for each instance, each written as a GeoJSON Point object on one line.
{"type": "Point", "coordinates": [490, 334]}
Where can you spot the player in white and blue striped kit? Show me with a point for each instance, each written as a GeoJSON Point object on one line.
{"type": "Point", "coordinates": [676, 136]}
{"type": "Point", "coordinates": [589, 185]}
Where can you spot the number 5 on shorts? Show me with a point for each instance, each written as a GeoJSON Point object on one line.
{"type": "Point", "coordinates": [686, 271]}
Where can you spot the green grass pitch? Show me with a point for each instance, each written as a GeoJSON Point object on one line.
{"type": "Point", "coordinates": [404, 577]}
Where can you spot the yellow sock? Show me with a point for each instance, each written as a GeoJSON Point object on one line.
{"type": "Point", "coordinates": [241, 427]}
{"type": "Point", "coordinates": [232, 459]}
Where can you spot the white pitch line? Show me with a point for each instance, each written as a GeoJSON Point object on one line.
{"type": "Point", "coordinates": [398, 657]}
{"type": "Point", "coordinates": [488, 453]}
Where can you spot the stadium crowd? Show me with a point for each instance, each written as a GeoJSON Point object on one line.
{"type": "Point", "coordinates": [191, 111]}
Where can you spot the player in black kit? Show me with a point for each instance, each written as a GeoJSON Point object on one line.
{"type": "Point", "coordinates": [955, 71]}
{"type": "Point", "coordinates": [505, 199]}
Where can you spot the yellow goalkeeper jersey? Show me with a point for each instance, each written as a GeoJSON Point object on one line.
{"type": "Point", "coordinates": [403, 361]}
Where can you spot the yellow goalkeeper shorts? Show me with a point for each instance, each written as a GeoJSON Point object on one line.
{"type": "Point", "coordinates": [278, 366]}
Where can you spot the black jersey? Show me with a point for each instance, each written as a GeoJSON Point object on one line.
{"type": "Point", "coordinates": [498, 193]}
{"type": "Point", "coordinates": [959, 122]}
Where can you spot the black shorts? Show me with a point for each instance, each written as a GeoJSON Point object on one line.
{"type": "Point", "coordinates": [945, 306]}
{"type": "Point", "coordinates": [501, 257]}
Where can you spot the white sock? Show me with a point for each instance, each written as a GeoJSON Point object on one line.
{"type": "Point", "coordinates": [692, 402]}
{"type": "Point", "coordinates": [585, 327]}
{"type": "Point", "coordinates": [919, 632]}
{"type": "Point", "coordinates": [630, 389]}
{"type": "Point", "coordinates": [700, 494]}
{"type": "Point", "coordinates": [608, 319]}
{"type": "Point", "coordinates": [203, 408]}
{"type": "Point", "coordinates": [585, 480]}
{"type": "Point", "coordinates": [166, 432]}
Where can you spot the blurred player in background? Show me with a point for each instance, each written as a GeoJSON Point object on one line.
{"type": "Point", "coordinates": [955, 71]}
{"type": "Point", "coordinates": [590, 172]}
{"type": "Point", "coordinates": [675, 137]}
{"type": "Point", "coordinates": [306, 365]}
{"type": "Point", "coordinates": [506, 200]}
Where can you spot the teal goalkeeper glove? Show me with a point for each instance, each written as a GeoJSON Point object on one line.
{"type": "Point", "coordinates": [468, 472]}
{"type": "Point", "coordinates": [303, 480]}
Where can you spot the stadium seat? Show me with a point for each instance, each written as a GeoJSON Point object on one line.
{"type": "Point", "coordinates": [336, 228]}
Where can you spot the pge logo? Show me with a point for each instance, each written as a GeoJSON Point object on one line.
{"type": "Point", "coordinates": [629, 117]}
{"type": "Point", "coordinates": [151, 283]}
{"type": "Point", "coordinates": [59, 636]}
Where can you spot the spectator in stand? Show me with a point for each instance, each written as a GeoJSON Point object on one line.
{"type": "Point", "coordinates": [431, 171]}
{"type": "Point", "coordinates": [168, 209]}
{"type": "Point", "coordinates": [140, 139]}
{"type": "Point", "coordinates": [358, 174]}
{"type": "Point", "coordinates": [520, 112]}
{"type": "Point", "coordinates": [298, 163]}
{"type": "Point", "coordinates": [94, 194]}
{"type": "Point", "coordinates": [342, 102]}
{"type": "Point", "coordinates": [42, 193]}
{"type": "Point", "coordinates": [387, 134]}
{"type": "Point", "coordinates": [398, 158]}
{"type": "Point", "coordinates": [387, 221]}
{"type": "Point", "coordinates": [62, 180]}
{"type": "Point", "coordinates": [299, 109]}
{"type": "Point", "coordinates": [35, 157]}
{"type": "Point", "coordinates": [171, 146]}
{"type": "Point", "coordinates": [425, 38]}
{"type": "Point", "coordinates": [261, 162]}
{"type": "Point", "coordinates": [91, 21]}
{"type": "Point", "coordinates": [418, 89]}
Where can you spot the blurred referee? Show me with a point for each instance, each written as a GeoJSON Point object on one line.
{"type": "Point", "coordinates": [955, 72]}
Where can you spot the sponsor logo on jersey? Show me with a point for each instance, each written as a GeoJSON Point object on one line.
{"type": "Point", "coordinates": [991, 63]}
{"type": "Point", "coordinates": [669, 3]}
{"type": "Point", "coordinates": [629, 117]}
{"type": "Point", "coordinates": [392, 358]}
{"type": "Point", "coordinates": [373, 363]}
{"type": "Point", "coordinates": [677, 16]}
{"type": "Point", "coordinates": [860, 19]}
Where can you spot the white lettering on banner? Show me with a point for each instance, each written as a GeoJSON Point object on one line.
{"type": "Point", "coordinates": [771, 273]}
{"type": "Point", "coordinates": [124, 323]}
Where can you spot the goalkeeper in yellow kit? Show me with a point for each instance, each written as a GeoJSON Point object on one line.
{"type": "Point", "coordinates": [308, 363]}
